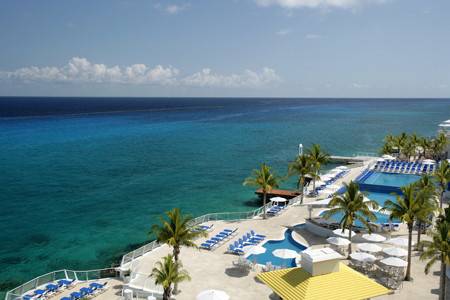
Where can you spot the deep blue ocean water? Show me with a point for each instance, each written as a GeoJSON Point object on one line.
{"type": "Point", "coordinates": [83, 180]}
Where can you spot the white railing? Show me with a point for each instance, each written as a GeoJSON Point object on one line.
{"type": "Point", "coordinates": [16, 293]}
{"type": "Point", "coordinates": [223, 216]}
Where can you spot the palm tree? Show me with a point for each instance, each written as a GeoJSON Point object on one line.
{"type": "Point", "coordinates": [442, 176]}
{"type": "Point", "coordinates": [439, 249]}
{"type": "Point", "coordinates": [176, 232]}
{"type": "Point", "coordinates": [353, 206]}
{"type": "Point", "coordinates": [415, 141]}
{"type": "Point", "coordinates": [425, 143]}
{"type": "Point", "coordinates": [438, 145]}
{"type": "Point", "coordinates": [427, 196]}
{"type": "Point", "coordinates": [264, 179]}
{"type": "Point", "coordinates": [406, 208]}
{"type": "Point", "coordinates": [167, 272]}
{"type": "Point", "coordinates": [400, 142]}
{"type": "Point", "coordinates": [409, 149]}
{"type": "Point", "coordinates": [301, 167]}
{"type": "Point", "coordinates": [317, 158]}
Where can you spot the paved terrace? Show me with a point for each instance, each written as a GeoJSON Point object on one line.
{"type": "Point", "coordinates": [215, 269]}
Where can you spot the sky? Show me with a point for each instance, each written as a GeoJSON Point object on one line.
{"type": "Point", "coordinates": [225, 48]}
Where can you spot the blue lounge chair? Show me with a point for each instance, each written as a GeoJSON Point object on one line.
{"type": "Point", "coordinates": [257, 235]}
{"type": "Point", "coordinates": [65, 298]}
{"type": "Point", "coordinates": [76, 295]}
{"type": "Point", "coordinates": [52, 287]}
{"type": "Point", "coordinates": [85, 291]}
{"type": "Point", "coordinates": [235, 250]}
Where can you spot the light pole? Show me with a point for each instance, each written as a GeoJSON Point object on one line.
{"type": "Point", "coordinates": [300, 149]}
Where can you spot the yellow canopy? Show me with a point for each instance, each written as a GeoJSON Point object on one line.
{"type": "Point", "coordinates": [298, 284]}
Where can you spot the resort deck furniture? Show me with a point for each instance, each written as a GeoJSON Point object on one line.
{"type": "Point", "coordinates": [234, 250]}
{"type": "Point", "coordinates": [76, 295]}
{"type": "Point", "coordinates": [257, 235]}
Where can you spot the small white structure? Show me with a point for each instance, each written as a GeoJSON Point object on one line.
{"type": "Point", "coordinates": [320, 261]}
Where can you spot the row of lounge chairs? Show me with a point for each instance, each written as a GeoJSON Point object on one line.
{"type": "Point", "coordinates": [249, 239]}
{"type": "Point", "coordinates": [218, 239]}
{"type": "Point", "coordinates": [52, 289]}
{"type": "Point", "coordinates": [274, 210]}
{"type": "Point", "coordinates": [333, 178]}
{"type": "Point", "coordinates": [404, 167]}
{"type": "Point", "coordinates": [94, 289]}
{"type": "Point", "coordinates": [200, 228]}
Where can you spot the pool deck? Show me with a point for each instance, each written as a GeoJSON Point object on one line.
{"type": "Point", "coordinates": [215, 269]}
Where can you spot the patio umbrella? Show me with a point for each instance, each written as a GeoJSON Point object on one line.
{"type": "Point", "coordinates": [388, 157]}
{"type": "Point", "coordinates": [285, 253]}
{"type": "Point", "coordinates": [254, 250]}
{"type": "Point", "coordinates": [364, 257]}
{"type": "Point", "coordinates": [338, 241]}
{"type": "Point", "coordinates": [399, 241]}
{"type": "Point", "coordinates": [394, 262]}
{"type": "Point", "coordinates": [212, 295]}
{"type": "Point", "coordinates": [278, 199]}
{"type": "Point", "coordinates": [393, 251]}
{"type": "Point", "coordinates": [368, 247]}
{"type": "Point", "coordinates": [344, 234]}
{"type": "Point", "coordinates": [373, 237]}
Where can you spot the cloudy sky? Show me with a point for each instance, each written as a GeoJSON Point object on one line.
{"type": "Point", "coordinates": [286, 48]}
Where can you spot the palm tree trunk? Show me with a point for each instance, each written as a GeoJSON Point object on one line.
{"type": "Point", "coordinates": [264, 204]}
{"type": "Point", "coordinates": [302, 184]}
{"type": "Point", "coordinates": [176, 254]}
{"type": "Point", "coordinates": [350, 239]}
{"type": "Point", "coordinates": [166, 293]}
{"type": "Point", "coordinates": [419, 231]}
{"type": "Point", "coordinates": [443, 279]}
{"type": "Point", "coordinates": [408, 268]}
{"type": "Point", "coordinates": [442, 198]}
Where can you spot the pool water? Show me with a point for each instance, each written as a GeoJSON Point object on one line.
{"type": "Point", "coordinates": [381, 218]}
{"type": "Point", "coordinates": [380, 198]}
{"type": "Point", "coordinates": [389, 179]}
{"type": "Point", "coordinates": [287, 243]}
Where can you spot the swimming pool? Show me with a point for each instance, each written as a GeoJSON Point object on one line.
{"type": "Point", "coordinates": [287, 243]}
{"type": "Point", "coordinates": [381, 218]}
{"type": "Point", "coordinates": [389, 179]}
{"type": "Point", "coordinates": [380, 198]}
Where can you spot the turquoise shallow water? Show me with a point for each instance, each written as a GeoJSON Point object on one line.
{"type": "Point", "coordinates": [79, 189]}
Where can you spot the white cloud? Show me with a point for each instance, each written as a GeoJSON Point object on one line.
{"type": "Point", "coordinates": [290, 4]}
{"type": "Point", "coordinates": [312, 36]}
{"type": "Point", "coordinates": [81, 70]}
{"type": "Point", "coordinates": [174, 9]}
{"type": "Point", "coordinates": [357, 85]}
{"type": "Point", "coordinates": [283, 32]}
{"type": "Point", "coordinates": [206, 78]}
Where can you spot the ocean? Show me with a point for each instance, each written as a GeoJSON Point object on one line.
{"type": "Point", "coordinates": [83, 179]}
